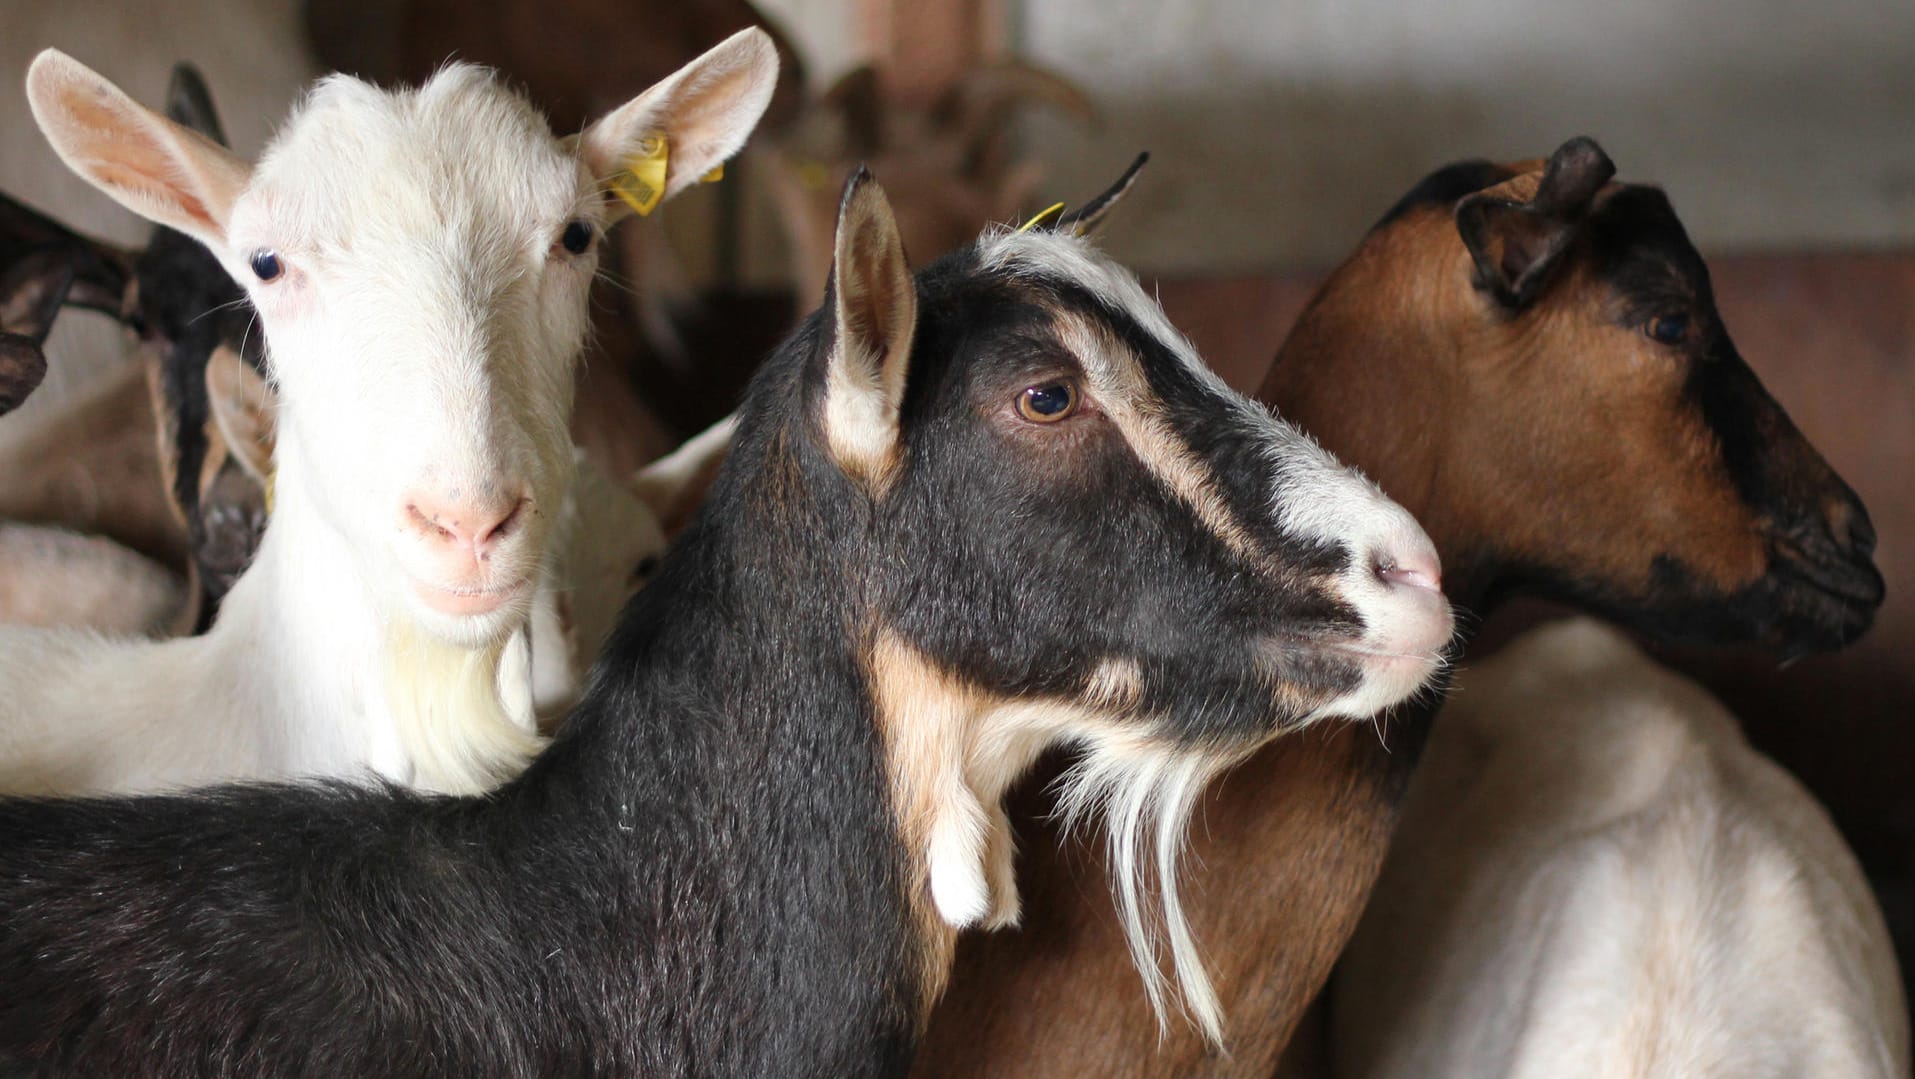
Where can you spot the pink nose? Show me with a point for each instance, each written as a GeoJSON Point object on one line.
{"type": "Point", "coordinates": [458, 529]}
{"type": "Point", "coordinates": [1412, 566]}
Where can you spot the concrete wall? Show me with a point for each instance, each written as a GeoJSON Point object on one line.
{"type": "Point", "coordinates": [1280, 128]}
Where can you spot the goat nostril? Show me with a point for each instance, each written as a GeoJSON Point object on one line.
{"type": "Point", "coordinates": [427, 525]}
{"type": "Point", "coordinates": [1861, 531]}
{"type": "Point", "coordinates": [478, 527]}
{"type": "Point", "coordinates": [1414, 570]}
{"type": "Point", "coordinates": [505, 524]}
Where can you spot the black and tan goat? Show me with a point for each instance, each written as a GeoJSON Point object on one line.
{"type": "Point", "coordinates": [32, 291]}
{"type": "Point", "coordinates": [202, 371]}
{"type": "Point", "coordinates": [1530, 358]}
{"type": "Point", "coordinates": [998, 508]}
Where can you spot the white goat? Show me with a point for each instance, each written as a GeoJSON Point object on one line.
{"type": "Point", "coordinates": [1596, 875]}
{"type": "Point", "coordinates": [420, 262]}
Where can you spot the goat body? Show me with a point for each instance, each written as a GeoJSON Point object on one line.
{"type": "Point", "coordinates": [421, 452]}
{"type": "Point", "coordinates": [1597, 875]}
{"type": "Point", "coordinates": [748, 849]}
{"type": "Point", "coordinates": [1466, 387]}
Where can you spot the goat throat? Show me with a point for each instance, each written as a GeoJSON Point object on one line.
{"type": "Point", "coordinates": [445, 703]}
{"type": "Point", "coordinates": [954, 751]}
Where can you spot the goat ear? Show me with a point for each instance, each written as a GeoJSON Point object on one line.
{"type": "Point", "coordinates": [190, 104]}
{"type": "Point", "coordinates": [160, 170]}
{"type": "Point", "coordinates": [100, 272]}
{"type": "Point", "coordinates": [674, 485]}
{"type": "Point", "coordinates": [1515, 243]}
{"type": "Point", "coordinates": [31, 292]}
{"type": "Point", "coordinates": [1087, 218]}
{"type": "Point", "coordinates": [704, 112]}
{"type": "Point", "coordinates": [873, 303]}
{"type": "Point", "coordinates": [242, 406]}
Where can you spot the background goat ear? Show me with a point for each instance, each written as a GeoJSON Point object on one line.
{"type": "Point", "coordinates": [1087, 218]}
{"type": "Point", "coordinates": [31, 292]}
{"type": "Point", "coordinates": [160, 170]}
{"type": "Point", "coordinates": [100, 272]}
{"type": "Point", "coordinates": [674, 486]}
{"type": "Point", "coordinates": [190, 104]}
{"type": "Point", "coordinates": [705, 111]}
{"type": "Point", "coordinates": [242, 407]}
{"type": "Point", "coordinates": [975, 111]}
{"type": "Point", "coordinates": [873, 303]}
{"type": "Point", "coordinates": [1515, 243]}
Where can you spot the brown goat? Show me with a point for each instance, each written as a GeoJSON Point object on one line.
{"type": "Point", "coordinates": [1530, 359]}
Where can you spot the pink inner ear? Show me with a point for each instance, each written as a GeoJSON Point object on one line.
{"type": "Point", "coordinates": [129, 176]}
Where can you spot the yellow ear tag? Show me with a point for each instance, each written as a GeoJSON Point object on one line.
{"type": "Point", "coordinates": [716, 174]}
{"type": "Point", "coordinates": [642, 182]}
{"type": "Point", "coordinates": [1042, 215]}
{"type": "Point", "coordinates": [272, 475]}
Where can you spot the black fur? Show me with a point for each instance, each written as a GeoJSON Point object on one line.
{"type": "Point", "coordinates": [1441, 189]}
{"type": "Point", "coordinates": [188, 307]}
{"type": "Point", "coordinates": [31, 292]}
{"type": "Point", "coordinates": [1823, 589]}
{"type": "Point", "coordinates": [1185, 607]}
{"type": "Point", "coordinates": [701, 875]}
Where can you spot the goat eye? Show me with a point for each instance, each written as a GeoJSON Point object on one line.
{"type": "Point", "coordinates": [1669, 329]}
{"type": "Point", "coordinates": [266, 265]}
{"type": "Point", "coordinates": [576, 237]}
{"type": "Point", "coordinates": [1047, 403]}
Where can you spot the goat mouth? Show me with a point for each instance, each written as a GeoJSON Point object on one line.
{"type": "Point", "coordinates": [1854, 583]}
{"type": "Point", "coordinates": [468, 602]}
{"type": "Point", "coordinates": [1824, 606]}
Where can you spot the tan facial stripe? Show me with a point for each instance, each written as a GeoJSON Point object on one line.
{"type": "Point", "coordinates": [1118, 383]}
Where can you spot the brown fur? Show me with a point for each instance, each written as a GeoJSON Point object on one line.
{"type": "Point", "coordinates": [1292, 840]}
{"type": "Point", "coordinates": [1471, 492]}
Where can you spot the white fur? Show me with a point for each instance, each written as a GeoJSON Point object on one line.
{"type": "Point", "coordinates": [423, 338]}
{"type": "Point", "coordinates": [1145, 796]}
{"type": "Point", "coordinates": [1596, 875]}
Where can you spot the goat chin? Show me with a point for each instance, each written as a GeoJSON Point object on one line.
{"type": "Point", "coordinates": [450, 714]}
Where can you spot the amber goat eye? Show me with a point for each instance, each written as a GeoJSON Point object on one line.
{"type": "Point", "coordinates": [1669, 329]}
{"type": "Point", "coordinates": [1047, 403]}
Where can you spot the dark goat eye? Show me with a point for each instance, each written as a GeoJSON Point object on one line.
{"type": "Point", "coordinates": [1047, 403]}
{"type": "Point", "coordinates": [1669, 329]}
{"type": "Point", "coordinates": [576, 237]}
{"type": "Point", "coordinates": [266, 265]}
